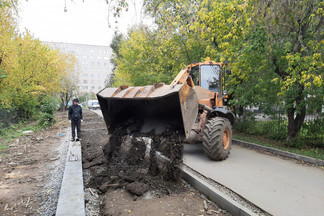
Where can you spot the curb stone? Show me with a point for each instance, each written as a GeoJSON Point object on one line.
{"type": "Point", "coordinates": [71, 197]}
{"type": "Point", "coordinates": [226, 202]}
{"type": "Point", "coordinates": [279, 152]}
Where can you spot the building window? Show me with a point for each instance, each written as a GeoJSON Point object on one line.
{"type": "Point", "coordinates": [92, 75]}
{"type": "Point", "coordinates": [85, 74]}
{"type": "Point", "coordinates": [99, 63]}
{"type": "Point", "coordinates": [92, 82]}
{"type": "Point", "coordinates": [99, 57]}
{"type": "Point", "coordinates": [106, 58]}
{"type": "Point", "coordinates": [92, 87]}
{"type": "Point", "coordinates": [85, 81]}
{"type": "Point", "coordinates": [85, 87]}
{"type": "Point", "coordinates": [99, 87]}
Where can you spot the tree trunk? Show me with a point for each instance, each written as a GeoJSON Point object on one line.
{"type": "Point", "coordinates": [62, 102]}
{"type": "Point", "coordinates": [295, 123]}
{"type": "Point", "coordinates": [241, 111]}
{"type": "Point", "coordinates": [66, 100]}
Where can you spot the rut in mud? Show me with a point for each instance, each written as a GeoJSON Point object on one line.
{"type": "Point", "coordinates": [123, 169]}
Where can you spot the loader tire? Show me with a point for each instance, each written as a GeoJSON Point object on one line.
{"type": "Point", "coordinates": [217, 138]}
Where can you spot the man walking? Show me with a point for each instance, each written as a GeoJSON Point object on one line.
{"type": "Point", "coordinates": [75, 118]}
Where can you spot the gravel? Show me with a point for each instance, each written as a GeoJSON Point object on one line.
{"type": "Point", "coordinates": [51, 190]}
{"type": "Point", "coordinates": [92, 202]}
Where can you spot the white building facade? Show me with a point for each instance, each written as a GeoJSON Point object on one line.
{"type": "Point", "coordinates": [93, 61]}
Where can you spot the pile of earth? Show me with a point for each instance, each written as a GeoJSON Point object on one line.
{"type": "Point", "coordinates": [132, 159]}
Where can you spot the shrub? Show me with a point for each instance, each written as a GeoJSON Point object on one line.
{"type": "Point", "coordinates": [271, 129]}
{"type": "Point", "coordinates": [313, 132]}
{"type": "Point", "coordinates": [48, 105]}
{"type": "Point", "coordinates": [46, 120]}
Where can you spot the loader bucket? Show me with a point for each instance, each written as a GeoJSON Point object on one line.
{"type": "Point", "coordinates": [157, 106]}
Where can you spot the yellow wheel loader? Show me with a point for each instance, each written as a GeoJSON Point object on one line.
{"type": "Point", "coordinates": [193, 102]}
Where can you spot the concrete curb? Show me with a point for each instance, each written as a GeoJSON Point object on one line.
{"type": "Point", "coordinates": [279, 152]}
{"type": "Point", "coordinates": [215, 195]}
{"type": "Point", "coordinates": [71, 199]}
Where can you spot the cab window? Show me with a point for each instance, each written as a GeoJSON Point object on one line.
{"type": "Point", "coordinates": [210, 77]}
{"type": "Point", "coordinates": [195, 75]}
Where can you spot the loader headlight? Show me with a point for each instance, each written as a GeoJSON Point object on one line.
{"type": "Point", "coordinates": [225, 96]}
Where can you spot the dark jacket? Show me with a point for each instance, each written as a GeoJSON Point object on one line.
{"type": "Point", "coordinates": [75, 112]}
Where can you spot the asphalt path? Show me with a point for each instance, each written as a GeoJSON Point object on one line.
{"type": "Point", "coordinates": [279, 186]}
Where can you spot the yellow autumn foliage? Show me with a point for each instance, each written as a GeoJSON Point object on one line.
{"type": "Point", "coordinates": [29, 69]}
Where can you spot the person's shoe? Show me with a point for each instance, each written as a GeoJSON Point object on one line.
{"type": "Point", "coordinates": [73, 139]}
{"type": "Point", "coordinates": [78, 139]}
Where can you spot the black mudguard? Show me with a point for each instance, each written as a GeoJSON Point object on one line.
{"type": "Point", "coordinates": [222, 111]}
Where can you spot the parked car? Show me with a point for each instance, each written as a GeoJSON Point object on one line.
{"type": "Point", "coordinates": [93, 104]}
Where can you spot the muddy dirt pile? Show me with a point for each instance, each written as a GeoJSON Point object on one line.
{"type": "Point", "coordinates": [125, 173]}
{"type": "Point", "coordinates": [130, 159]}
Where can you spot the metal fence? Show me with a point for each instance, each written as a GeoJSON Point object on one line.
{"type": "Point", "coordinates": [276, 125]}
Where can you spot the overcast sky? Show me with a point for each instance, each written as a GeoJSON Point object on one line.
{"type": "Point", "coordinates": [84, 22]}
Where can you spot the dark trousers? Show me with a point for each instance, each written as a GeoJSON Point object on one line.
{"type": "Point", "coordinates": [77, 124]}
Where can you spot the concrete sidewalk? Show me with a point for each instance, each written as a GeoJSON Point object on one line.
{"type": "Point", "coordinates": [279, 186]}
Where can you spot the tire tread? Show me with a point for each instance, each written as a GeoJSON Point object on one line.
{"type": "Point", "coordinates": [213, 138]}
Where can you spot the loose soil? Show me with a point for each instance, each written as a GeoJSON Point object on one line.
{"type": "Point", "coordinates": [123, 177]}
{"type": "Point", "coordinates": [31, 171]}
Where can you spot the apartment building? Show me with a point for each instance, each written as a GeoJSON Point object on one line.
{"type": "Point", "coordinates": [94, 64]}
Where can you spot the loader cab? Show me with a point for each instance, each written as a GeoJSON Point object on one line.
{"type": "Point", "coordinates": [207, 76]}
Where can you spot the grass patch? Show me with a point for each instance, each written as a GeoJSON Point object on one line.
{"type": "Point", "coordinates": [7, 135]}
{"type": "Point", "coordinates": [317, 153]}
{"type": "Point", "coordinates": [45, 118]}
